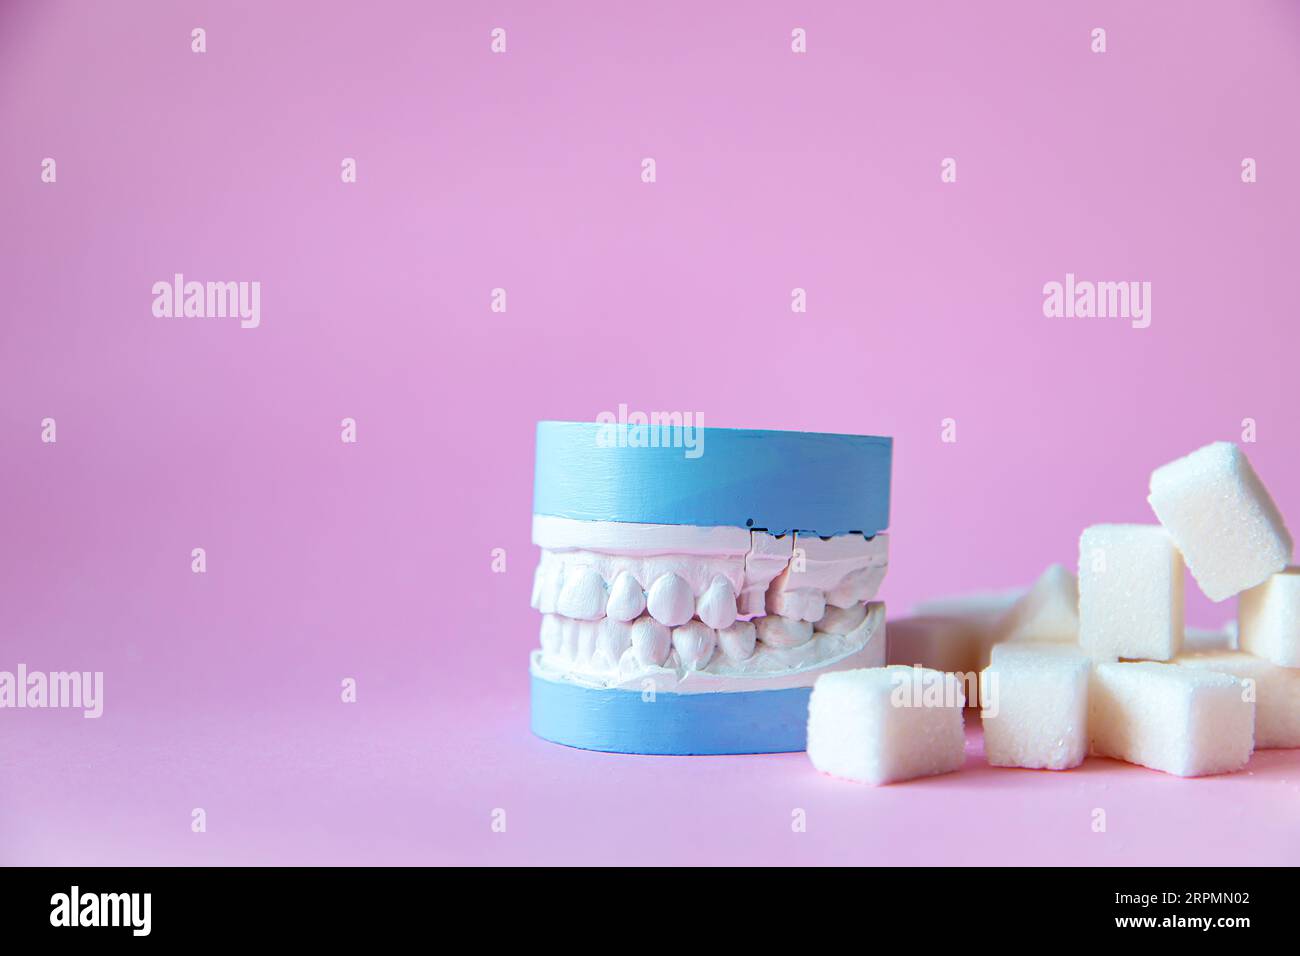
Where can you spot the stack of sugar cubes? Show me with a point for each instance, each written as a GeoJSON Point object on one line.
{"type": "Point", "coordinates": [1102, 664]}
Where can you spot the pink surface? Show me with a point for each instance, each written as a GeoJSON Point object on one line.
{"type": "Point", "coordinates": [476, 171]}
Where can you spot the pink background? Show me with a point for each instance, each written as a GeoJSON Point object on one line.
{"type": "Point", "coordinates": [372, 560]}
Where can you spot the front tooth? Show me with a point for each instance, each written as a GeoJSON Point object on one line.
{"type": "Point", "coordinates": [670, 600]}
{"type": "Point", "coordinates": [549, 593]}
{"type": "Point", "coordinates": [651, 641]}
{"type": "Point", "coordinates": [694, 643]}
{"type": "Point", "coordinates": [586, 640]}
{"type": "Point", "coordinates": [778, 631]}
{"type": "Point", "coordinates": [552, 635]}
{"type": "Point", "coordinates": [613, 638]}
{"type": "Point", "coordinates": [568, 638]}
{"type": "Point", "coordinates": [717, 605]}
{"type": "Point", "coordinates": [539, 578]}
{"type": "Point", "coordinates": [583, 595]}
{"type": "Point", "coordinates": [626, 599]}
{"type": "Point", "coordinates": [842, 620]}
{"type": "Point", "coordinates": [737, 641]}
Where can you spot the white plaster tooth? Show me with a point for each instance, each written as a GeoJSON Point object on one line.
{"type": "Point", "coordinates": [626, 599]}
{"type": "Point", "coordinates": [766, 559]}
{"type": "Point", "coordinates": [800, 604]}
{"type": "Point", "coordinates": [583, 595]}
{"type": "Point", "coordinates": [548, 596]}
{"type": "Point", "coordinates": [738, 641]}
{"type": "Point", "coordinates": [670, 600]}
{"type": "Point", "coordinates": [629, 665]}
{"type": "Point", "coordinates": [539, 577]}
{"type": "Point", "coordinates": [612, 639]}
{"type": "Point", "coordinates": [568, 638]}
{"type": "Point", "coordinates": [776, 631]}
{"type": "Point", "coordinates": [842, 620]}
{"type": "Point", "coordinates": [717, 605]}
{"type": "Point", "coordinates": [694, 643]}
{"type": "Point", "coordinates": [587, 632]}
{"type": "Point", "coordinates": [552, 635]}
{"type": "Point", "coordinates": [651, 641]}
{"type": "Point", "coordinates": [862, 585]}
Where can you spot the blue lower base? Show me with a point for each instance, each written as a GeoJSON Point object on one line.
{"type": "Point", "coordinates": [622, 721]}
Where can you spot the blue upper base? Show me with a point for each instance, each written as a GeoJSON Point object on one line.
{"type": "Point", "coordinates": [713, 477]}
{"type": "Point", "coordinates": [623, 721]}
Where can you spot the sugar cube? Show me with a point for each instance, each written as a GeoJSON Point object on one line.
{"type": "Point", "coordinates": [1268, 619]}
{"type": "Point", "coordinates": [1221, 518]}
{"type": "Point", "coordinates": [1276, 691]}
{"type": "Point", "coordinates": [1048, 611]}
{"type": "Point", "coordinates": [1181, 720]}
{"type": "Point", "coordinates": [881, 724]}
{"type": "Point", "coordinates": [1130, 593]}
{"type": "Point", "coordinates": [1197, 639]}
{"type": "Point", "coordinates": [952, 634]}
{"type": "Point", "coordinates": [1035, 706]}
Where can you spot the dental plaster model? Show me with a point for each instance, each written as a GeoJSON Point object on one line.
{"type": "Point", "coordinates": [695, 582]}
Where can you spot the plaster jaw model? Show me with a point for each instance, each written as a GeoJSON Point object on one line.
{"type": "Point", "coordinates": [689, 603]}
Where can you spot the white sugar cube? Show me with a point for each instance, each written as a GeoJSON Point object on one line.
{"type": "Point", "coordinates": [952, 634]}
{"type": "Point", "coordinates": [1181, 720]}
{"type": "Point", "coordinates": [1276, 691]}
{"type": "Point", "coordinates": [1130, 593]}
{"type": "Point", "coordinates": [1268, 619]}
{"type": "Point", "coordinates": [1200, 639]}
{"type": "Point", "coordinates": [1048, 611]}
{"type": "Point", "coordinates": [1221, 518]}
{"type": "Point", "coordinates": [881, 724]}
{"type": "Point", "coordinates": [1035, 706]}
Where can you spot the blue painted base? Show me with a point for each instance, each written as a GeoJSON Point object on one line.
{"type": "Point", "coordinates": [621, 721]}
{"type": "Point", "coordinates": [742, 478]}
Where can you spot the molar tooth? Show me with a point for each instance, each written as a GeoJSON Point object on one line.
{"type": "Point", "coordinates": [776, 631]}
{"type": "Point", "coordinates": [670, 600]}
{"type": "Point", "coordinates": [626, 599]}
{"type": "Point", "coordinates": [694, 643]}
{"type": "Point", "coordinates": [651, 641]}
{"type": "Point", "coordinates": [552, 635]}
{"type": "Point", "coordinates": [857, 587]}
{"type": "Point", "coordinates": [737, 641]}
{"type": "Point", "coordinates": [717, 605]}
{"type": "Point", "coordinates": [800, 604]}
{"type": "Point", "coordinates": [583, 595]}
{"type": "Point", "coordinates": [842, 620]}
{"type": "Point", "coordinates": [612, 639]}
